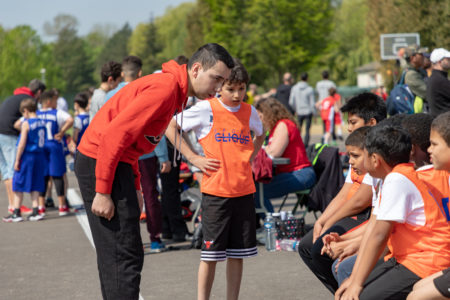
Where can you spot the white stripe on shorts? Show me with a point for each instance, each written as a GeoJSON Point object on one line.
{"type": "Point", "coordinates": [213, 255]}
{"type": "Point", "coordinates": [242, 253]}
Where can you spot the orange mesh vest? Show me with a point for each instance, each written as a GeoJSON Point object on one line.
{"type": "Point", "coordinates": [230, 142]}
{"type": "Point", "coordinates": [424, 249]}
{"type": "Point", "coordinates": [357, 180]}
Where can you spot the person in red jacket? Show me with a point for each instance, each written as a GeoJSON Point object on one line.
{"type": "Point", "coordinates": [130, 124]}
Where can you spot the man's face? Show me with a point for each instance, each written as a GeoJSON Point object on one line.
{"type": "Point", "coordinates": [354, 122]}
{"type": "Point", "coordinates": [356, 159]}
{"type": "Point", "coordinates": [233, 93]}
{"type": "Point", "coordinates": [439, 151]}
{"type": "Point", "coordinates": [445, 64]}
{"type": "Point", "coordinates": [417, 60]}
{"type": "Point", "coordinates": [206, 83]}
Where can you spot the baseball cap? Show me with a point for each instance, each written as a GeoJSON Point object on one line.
{"type": "Point", "coordinates": [412, 50]}
{"type": "Point", "coordinates": [439, 54]}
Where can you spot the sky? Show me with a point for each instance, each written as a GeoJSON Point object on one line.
{"type": "Point", "coordinates": [88, 12]}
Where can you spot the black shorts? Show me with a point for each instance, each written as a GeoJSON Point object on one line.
{"type": "Point", "coordinates": [229, 227]}
{"type": "Point", "coordinates": [442, 283]}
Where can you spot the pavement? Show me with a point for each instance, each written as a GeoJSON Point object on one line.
{"type": "Point", "coordinates": [55, 259]}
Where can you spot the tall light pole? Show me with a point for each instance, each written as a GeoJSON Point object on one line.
{"type": "Point", "coordinates": [43, 75]}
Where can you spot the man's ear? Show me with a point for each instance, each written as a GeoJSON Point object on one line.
{"type": "Point", "coordinates": [195, 69]}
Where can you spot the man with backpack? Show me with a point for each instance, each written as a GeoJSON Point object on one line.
{"type": "Point", "coordinates": [413, 76]}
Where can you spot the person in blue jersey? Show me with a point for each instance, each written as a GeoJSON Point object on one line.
{"type": "Point", "coordinates": [57, 122]}
{"type": "Point", "coordinates": [29, 163]}
{"type": "Point", "coordinates": [80, 104]}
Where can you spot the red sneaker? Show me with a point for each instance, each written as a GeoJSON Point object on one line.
{"type": "Point", "coordinates": [41, 211]}
{"type": "Point", "coordinates": [25, 210]}
{"type": "Point", "coordinates": [63, 211]}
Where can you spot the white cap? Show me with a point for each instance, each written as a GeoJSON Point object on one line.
{"type": "Point", "coordinates": [439, 54]}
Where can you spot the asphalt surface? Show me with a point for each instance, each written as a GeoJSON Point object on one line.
{"type": "Point", "coordinates": [54, 259]}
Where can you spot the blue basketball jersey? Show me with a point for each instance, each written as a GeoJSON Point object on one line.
{"type": "Point", "coordinates": [83, 119]}
{"type": "Point", "coordinates": [51, 122]}
{"type": "Point", "coordinates": [36, 135]}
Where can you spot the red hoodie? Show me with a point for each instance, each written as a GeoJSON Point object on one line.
{"type": "Point", "coordinates": [23, 90]}
{"type": "Point", "coordinates": [133, 121]}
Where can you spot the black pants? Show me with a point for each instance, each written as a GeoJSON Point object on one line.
{"type": "Point", "coordinates": [173, 222]}
{"type": "Point", "coordinates": [118, 243]}
{"type": "Point", "coordinates": [319, 264]}
{"type": "Point", "coordinates": [390, 280]}
{"type": "Point", "coordinates": [308, 119]}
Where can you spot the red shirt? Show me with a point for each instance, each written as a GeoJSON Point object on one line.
{"type": "Point", "coordinates": [295, 149]}
{"type": "Point", "coordinates": [133, 121]}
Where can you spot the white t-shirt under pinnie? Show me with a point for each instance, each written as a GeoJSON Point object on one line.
{"type": "Point", "coordinates": [200, 119]}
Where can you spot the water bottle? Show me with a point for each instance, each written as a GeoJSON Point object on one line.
{"type": "Point", "coordinates": [269, 226]}
{"type": "Point", "coordinates": [289, 245]}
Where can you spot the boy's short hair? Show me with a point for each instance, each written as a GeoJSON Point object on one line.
{"type": "Point", "coordinates": [441, 124]}
{"type": "Point", "coordinates": [47, 95]}
{"type": "Point", "coordinates": [304, 76]}
{"type": "Point", "coordinates": [325, 74]}
{"type": "Point", "coordinates": [392, 143]}
{"type": "Point", "coordinates": [357, 137]}
{"type": "Point", "coordinates": [238, 74]}
{"type": "Point", "coordinates": [111, 68]}
{"type": "Point", "coordinates": [82, 99]}
{"type": "Point", "coordinates": [395, 120]}
{"type": "Point", "coordinates": [28, 104]}
{"type": "Point", "coordinates": [36, 85]}
{"type": "Point", "coordinates": [208, 55]}
{"type": "Point", "coordinates": [419, 127]}
{"type": "Point", "coordinates": [131, 65]}
{"type": "Point", "coordinates": [366, 106]}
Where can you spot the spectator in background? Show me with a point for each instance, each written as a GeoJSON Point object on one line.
{"type": "Point", "coordinates": [61, 103]}
{"type": "Point", "coordinates": [323, 86]}
{"type": "Point", "coordinates": [284, 90]}
{"type": "Point", "coordinates": [251, 93]}
{"type": "Point", "coordinates": [10, 113]}
{"type": "Point", "coordinates": [81, 120]}
{"type": "Point", "coordinates": [438, 90]}
{"type": "Point", "coordinates": [414, 78]}
{"type": "Point", "coordinates": [111, 77]}
{"type": "Point", "coordinates": [302, 101]}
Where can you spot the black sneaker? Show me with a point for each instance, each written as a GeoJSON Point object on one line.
{"type": "Point", "coordinates": [13, 218]}
{"type": "Point", "coordinates": [35, 217]}
{"type": "Point", "coordinates": [49, 202]}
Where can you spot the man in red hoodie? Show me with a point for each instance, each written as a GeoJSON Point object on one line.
{"type": "Point", "coordinates": [130, 124]}
{"type": "Point", "coordinates": [10, 113]}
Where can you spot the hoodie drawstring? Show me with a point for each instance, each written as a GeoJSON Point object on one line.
{"type": "Point", "coordinates": [175, 156]}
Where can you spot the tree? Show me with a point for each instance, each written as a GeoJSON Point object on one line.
{"type": "Point", "coordinates": [144, 44]}
{"type": "Point", "coordinates": [116, 48]}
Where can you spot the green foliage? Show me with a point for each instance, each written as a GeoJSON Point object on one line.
{"type": "Point", "coordinates": [116, 48]}
{"type": "Point", "coordinates": [144, 44]}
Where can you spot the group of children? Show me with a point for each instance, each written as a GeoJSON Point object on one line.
{"type": "Point", "coordinates": [41, 152]}
{"type": "Point", "coordinates": [389, 226]}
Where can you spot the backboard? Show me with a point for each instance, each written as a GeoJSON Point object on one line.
{"type": "Point", "coordinates": [390, 43]}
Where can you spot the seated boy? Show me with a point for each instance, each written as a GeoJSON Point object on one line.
{"type": "Point", "coordinates": [437, 286]}
{"type": "Point", "coordinates": [30, 161]}
{"type": "Point", "coordinates": [365, 109]}
{"type": "Point", "coordinates": [408, 221]}
{"type": "Point", "coordinates": [418, 126]}
{"type": "Point", "coordinates": [223, 126]}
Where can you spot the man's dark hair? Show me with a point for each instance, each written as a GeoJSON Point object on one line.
{"type": "Point", "coordinates": [238, 74]}
{"type": "Point", "coordinates": [208, 55]}
{"type": "Point", "coordinates": [181, 60]}
{"type": "Point", "coordinates": [419, 127]}
{"type": "Point", "coordinates": [357, 137]}
{"type": "Point", "coordinates": [131, 65]}
{"type": "Point", "coordinates": [36, 85]}
{"type": "Point", "coordinates": [392, 143]}
{"type": "Point", "coordinates": [304, 76]}
{"type": "Point", "coordinates": [82, 99]}
{"type": "Point", "coordinates": [366, 106]}
{"type": "Point", "coordinates": [111, 68]}
{"type": "Point", "coordinates": [325, 74]}
{"type": "Point", "coordinates": [47, 95]}
{"type": "Point", "coordinates": [28, 104]}
{"type": "Point", "coordinates": [442, 126]}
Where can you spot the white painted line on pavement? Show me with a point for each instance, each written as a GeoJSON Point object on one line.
{"type": "Point", "coordinates": [75, 199]}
